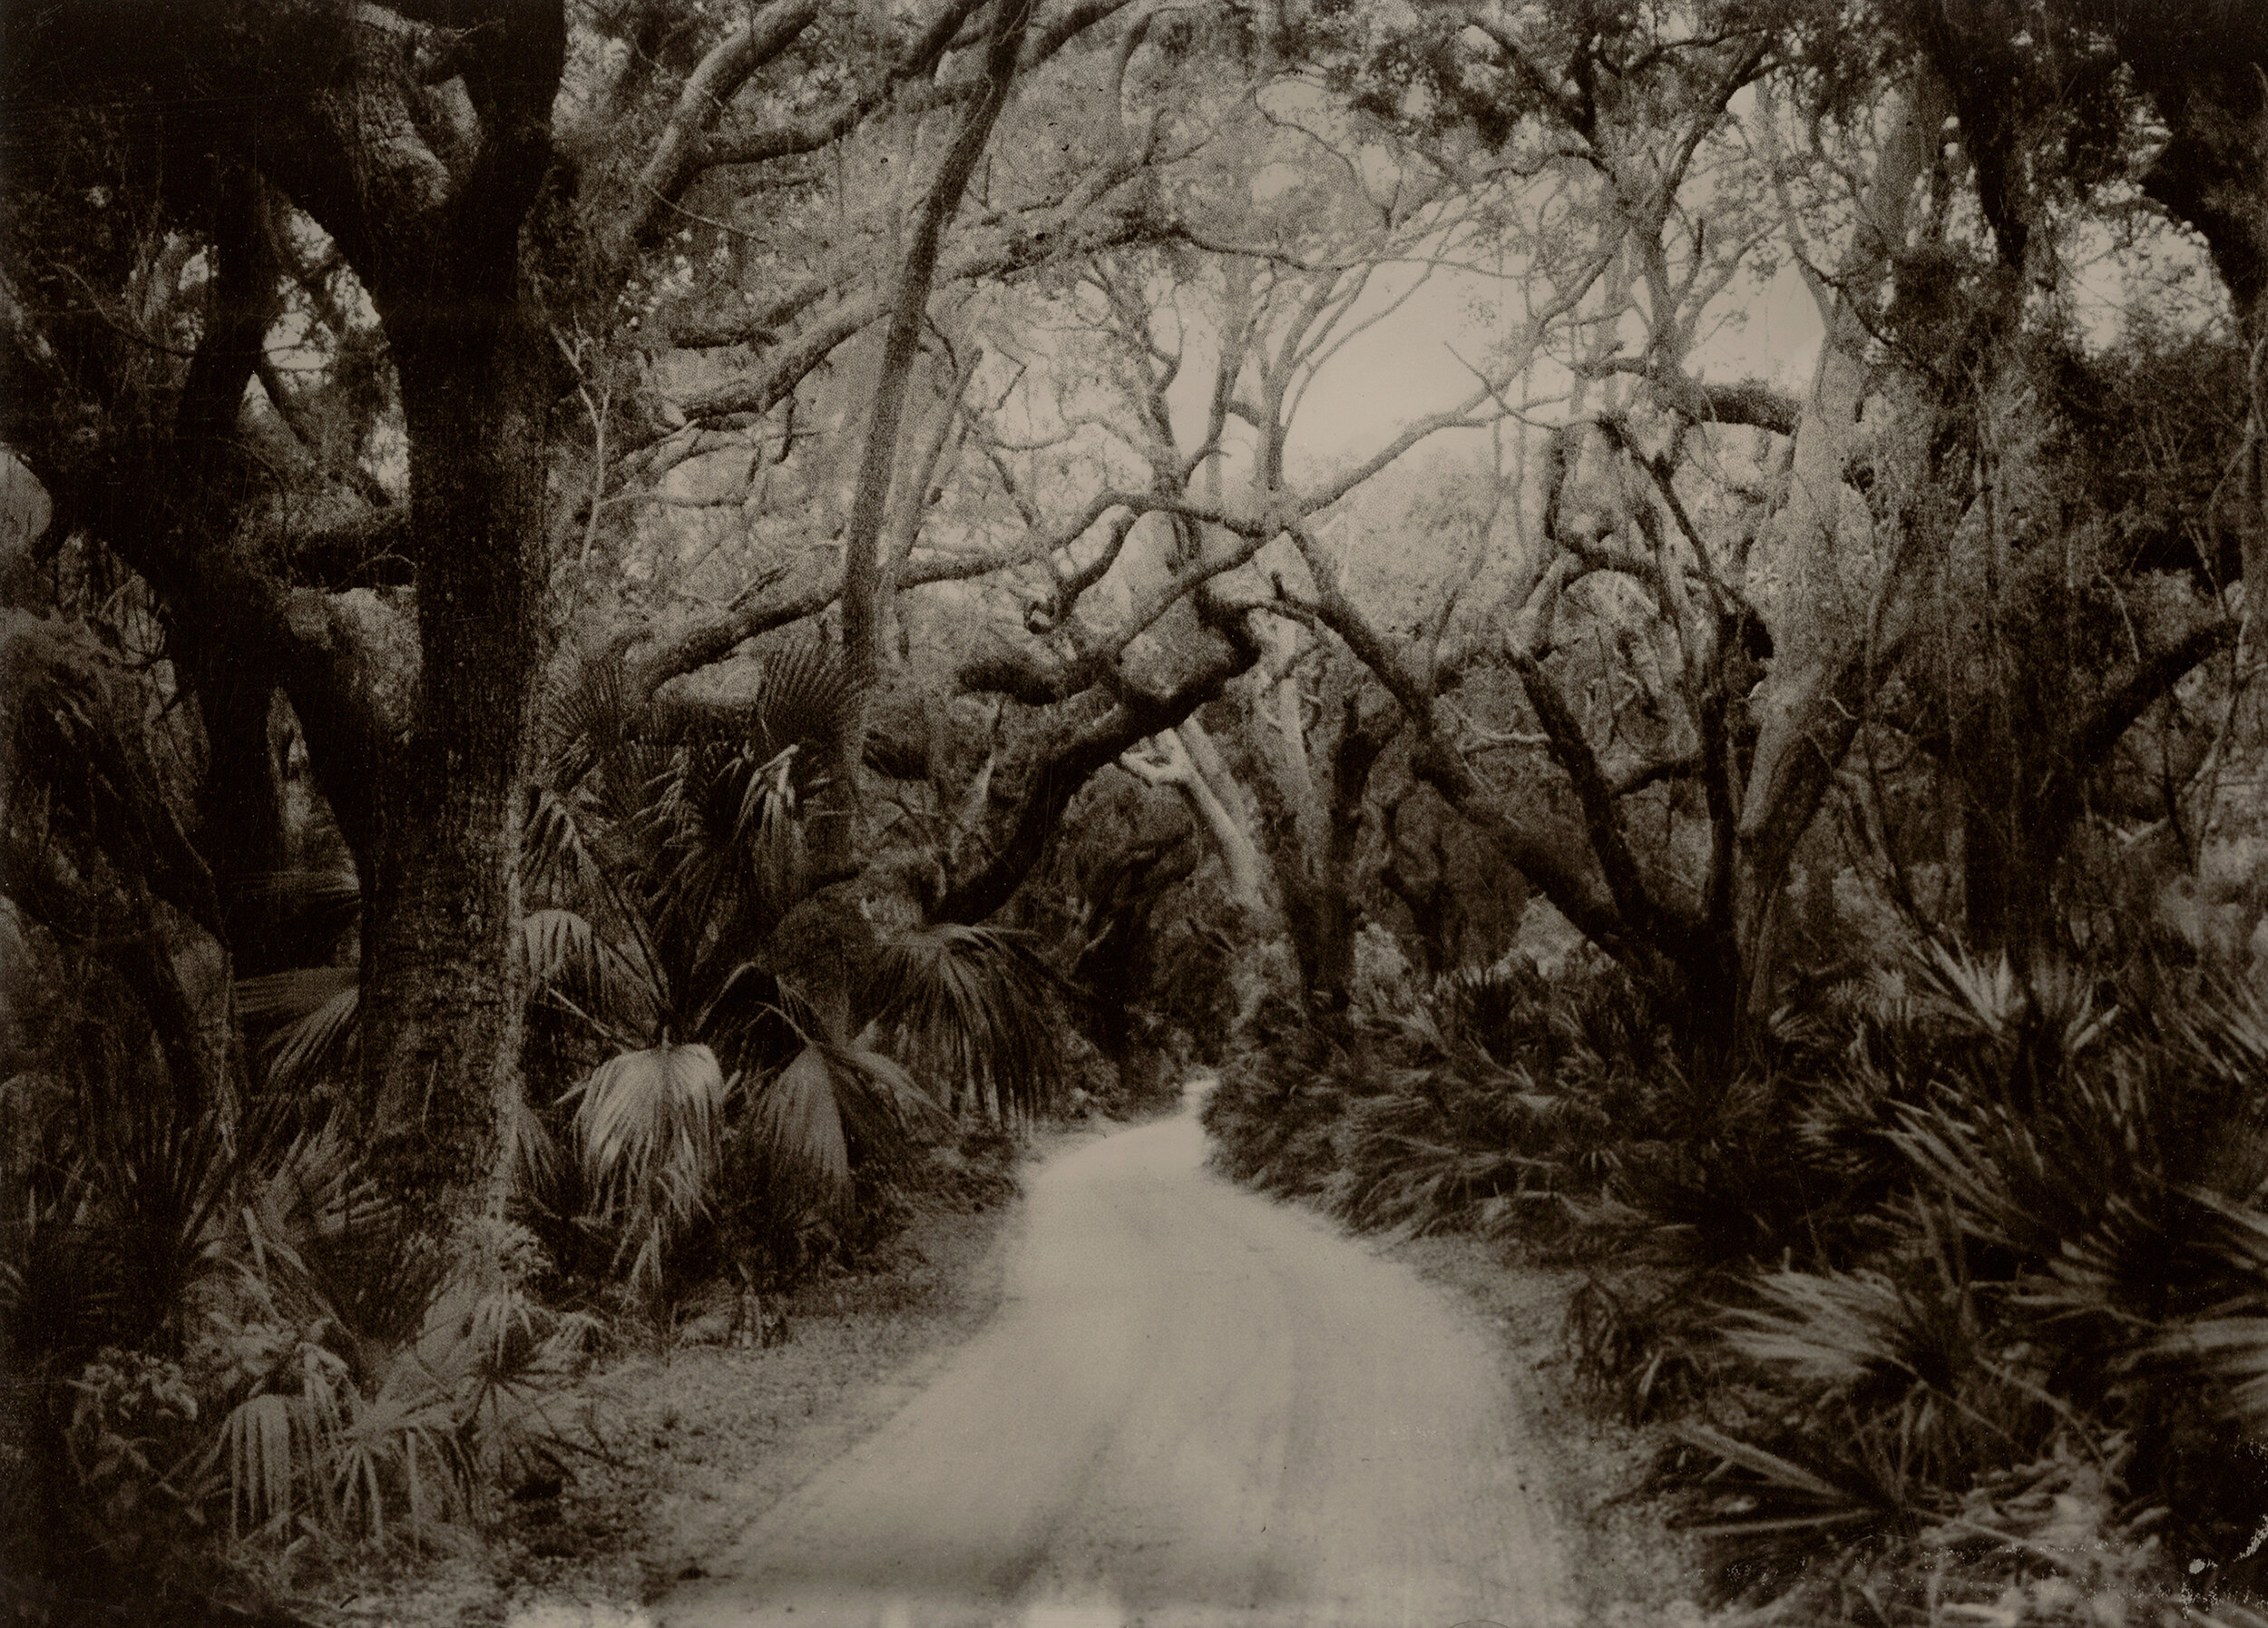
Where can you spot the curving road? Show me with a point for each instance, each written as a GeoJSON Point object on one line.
{"type": "Point", "coordinates": [1196, 1408]}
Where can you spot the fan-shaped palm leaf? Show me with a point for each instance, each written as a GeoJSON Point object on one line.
{"type": "Point", "coordinates": [165, 1180]}
{"type": "Point", "coordinates": [588, 719]}
{"type": "Point", "coordinates": [401, 1443]}
{"type": "Point", "coordinates": [528, 1155]}
{"type": "Point", "coordinates": [1867, 1328]}
{"type": "Point", "coordinates": [317, 1010]}
{"type": "Point", "coordinates": [556, 853]}
{"type": "Point", "coordinates": [649, 1123]}
{"type": "Point", "coordinates": [1985, 996]}
{"type": "Point", "coordinates": [324, 1242]}
{"type": "Point", "coordinates": [275, 1445]}
{"type": "Point", "coordinates": [621, 994]}
{"type": "Point", "coordinates": [885, 1112]}
{"type": "Point", "coordinates": [802, 699]}
{"type": "Point", "coordinates": [800, 1125]}
{"type": "Point", "coordinates": [729, 860]}
{"type": "Point", "coordinates": [279, 999]}
{"type": "Point", "coordinates": [834, 1106]}
{"type": "Point", "coordinates": [970, 1011]}
{"type": "Point", "coordinates": [2232, 1350]}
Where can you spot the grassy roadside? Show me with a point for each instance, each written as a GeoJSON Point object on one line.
{"type": "Point", "coordinates": [699, 1440]}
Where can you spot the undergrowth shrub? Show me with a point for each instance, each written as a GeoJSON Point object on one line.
{"type": "Point", "coordinates": [228, 1353]}
{"type": "Point", "coordinates": [1493, 1104]}
{"type": "Point", "coordinates": [1956, 1303]}
{"type": "Point", "coordinates": [2032, 1323]}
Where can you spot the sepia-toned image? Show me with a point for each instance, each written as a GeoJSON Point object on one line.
{"type": "Point", "coordinates": [1133, 814]}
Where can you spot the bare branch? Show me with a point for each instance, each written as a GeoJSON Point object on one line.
{"type": "Point", "coordinates": [791, 137]}
{"type": "Point", "coordinates": [675, 159]}
{"type": "Point", "coordinates": [1077, 752]}
{"type": "Point", "coordinates": [1069, 234]}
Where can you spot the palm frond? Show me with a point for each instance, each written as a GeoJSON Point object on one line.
{"type": "Point", "coordinates": [320, 1044]}
{"type": "Point", "coordinates": [727, 858]}
{"type": "Point", "coordinates": [401, 1448]}
{"type": "Point", "coordinates": [588, 720]}
{"type": "Point", "coordinates": [556, 852]}
{"type": "Point", "coordinates": [648, 1121]}
{"type": "Point", "coordinates": [802, 699]}
{"type": "Point", "coordinates": [649, 1124]}
{"type": "Point", "coordinates": [164, 1180]}
{"type": "Point", "coordinates": [835, 1108]}
{"type": "Point", "coordinates": [886, 1114]}
{"type": "Point", "coordinates": [530, 1154]}
{"type": "Point", "coordinates": [1855, 1476]}
{"type": "Point", "coordinates": [276, 1444]}
{"type": "Point", "coordinates": [799, 1123]}
{"type": "Point", "coordinates": [568, 958]}
{"type": "Point", "coordinates": [324, 1243]}
{"type": "Point", "coordinates": [282, 999]}
{"type": "Point", "coordinates": [972, 1012]}
{"type": "Point", "coordinates": [1985, 995]}
{"type": "Point", "coordinates": [2233, 1352]}
{"type": "Point", "coordinates": [1767, 1466]}
{"type": "Point", "coordinates": [263, 1456]}
{"type": "Point", "coordinates": [1870, 1329]}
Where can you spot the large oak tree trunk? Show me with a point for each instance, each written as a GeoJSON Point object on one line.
{"type": "Point", "coordinates": [439, 980]}
{"type": "Point", "coordinates": [443, 250]}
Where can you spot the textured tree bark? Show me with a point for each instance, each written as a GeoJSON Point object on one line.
{"type": "Point", "coordinates": [1415, 874]}
{"type": "Point", "coordinates": [440, 1007]}
{"type": "Point", "coordinates": [834, 818]}
{"type": "Point", "coordinates": [440, 249]}
{"type": "Point", "coordinates": [242, 818]}
{"type": "Point", "coordinates": [1314, 792]}
{"type": "Point", "coordinates": [2205, 73]}
{"type": "Point", "coordinates": [1353, 756]}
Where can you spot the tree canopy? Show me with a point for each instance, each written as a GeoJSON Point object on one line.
{"type": "Point", "coordinates": [670, 573]}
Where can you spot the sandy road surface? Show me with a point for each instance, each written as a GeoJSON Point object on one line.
{"type": "Point", "coordinates": [1196, 1408]}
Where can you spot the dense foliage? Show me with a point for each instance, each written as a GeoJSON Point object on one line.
{"type": "Point", "coordinates": [1963, 1283]}
{"type": "Point", "coordinates": [621, 624]}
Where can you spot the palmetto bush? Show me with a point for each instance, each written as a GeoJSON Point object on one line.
{"type": "Point", "coordinates": [211, 1324]}
{"type": "Point", "coordinates": [2058, 1281]}
{"type": "Point", "coordinates": [1492, 1106]}
{"type": "Point", "coordinates": [218, 1326]}
{"type": "Point", "coordinates": [681, 939]}
{"type": "Point", "coordinates": [975, 1010]}
{"type": "Point", "coordinates": [1971, 1272]}
{"type": "Point", "coordinates": [726, 1061]}
{"type": "Point", "coordinates": [331, 1430]}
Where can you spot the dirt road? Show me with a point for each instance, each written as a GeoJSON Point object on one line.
{"type": "Point", "coordinates": [1196, 1408]}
